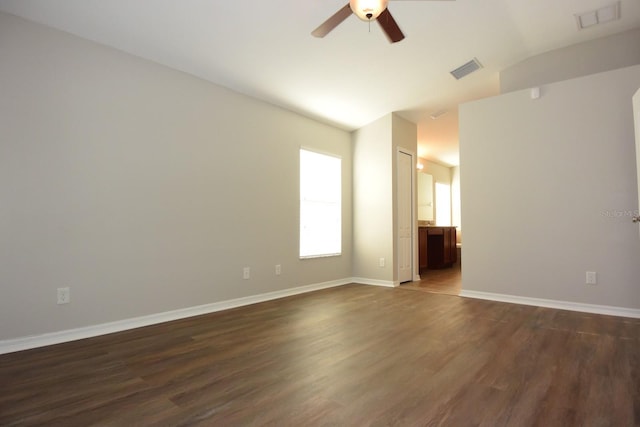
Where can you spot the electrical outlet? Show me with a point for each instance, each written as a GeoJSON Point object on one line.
{"type": "Point", "coordinates": [64, 295]}
{"type": "Point", "coordinates": [381, 262]}
{"type": "Point", "coordinates": [591, 278]}
{"type": "Point", "coordinates": [278, 269]}
{"type": "Point", "coordinates": [246, 273]}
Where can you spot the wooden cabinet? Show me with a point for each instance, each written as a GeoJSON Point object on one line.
{"type": "Point", "coordinates": [437, 247]}
{"type": "Point", "coordinates": [422, 248]}
{"type": "Point", "coordinates": [450, 253]}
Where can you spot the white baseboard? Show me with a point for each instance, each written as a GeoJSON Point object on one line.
{"type": "Point", "coordinates": [25, 343]}
{"type": "Point", "coordinates": [561, 305]}
{"type": "Point", "coordinates": [375, 282]}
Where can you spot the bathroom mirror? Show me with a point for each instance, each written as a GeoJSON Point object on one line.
{"type": "Point", "coordinates": [425, 197]}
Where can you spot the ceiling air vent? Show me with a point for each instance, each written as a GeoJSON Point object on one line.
{"type": "Point", "coordinates": [598, 16]}
{"type": "Point", "coordinates": [466, 69]}
{"type": "Point", "coordinates": [438, 114]}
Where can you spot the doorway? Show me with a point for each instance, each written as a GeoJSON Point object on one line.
{"type": "Point", "coordinates": [438, 221]}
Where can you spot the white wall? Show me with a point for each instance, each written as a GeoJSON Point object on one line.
{"type": "Point", "coordinates": [595, 56]}
{"type": "Point", "coordinates": [546, 185]}
{"type": "Point", "coordinates": [405, 138]}
{"type": "Point", "coordinates": [636, 121]}
{"type": "Point", "coordinates": [374, 197]}
{"type": "Point", "coordinates": [142, 188]}
{"type": "Point", "coordinates": [404, 135]}
{"type": "Point", "coordinates": [372, 200]}
{"type": "Point", "coordinates": [456, 216]}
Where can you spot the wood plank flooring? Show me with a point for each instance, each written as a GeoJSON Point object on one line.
{"type": "Point", "coordinates": [441, 281]}
{"type": "Point", "coordinates": [348, 356]}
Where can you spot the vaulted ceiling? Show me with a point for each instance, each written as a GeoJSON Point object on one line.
{"type": "Point", "coordinates": [352, 76]}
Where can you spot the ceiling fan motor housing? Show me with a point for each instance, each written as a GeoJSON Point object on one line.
{"type": "Point", "coordinates": [368, 10]}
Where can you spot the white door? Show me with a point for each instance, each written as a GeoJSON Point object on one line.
{"type": "Point", "coordinates": [405, 216]}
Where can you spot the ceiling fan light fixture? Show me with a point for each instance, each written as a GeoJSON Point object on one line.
{"type": "Point", "coordinates": [368, 10]}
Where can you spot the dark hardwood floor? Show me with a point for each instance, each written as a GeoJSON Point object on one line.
{"type": "Point", "coordinates": [441, 281]}
{"type": "Point", "coordinates": [348, 356]}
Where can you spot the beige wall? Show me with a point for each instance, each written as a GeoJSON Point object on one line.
{"type": "Point", "coordinates": [372, 200]}
{"type": "Point", "coordinates": [405, 138]}
{"type": "Point", "coordinates": [404, 134]}
{"type": "Point", "coordinates": [603, 54]}
{"type": "Point", "coordinates": [375, 149]}
{"type": "Point", "coordinates": [636, 120]}
{"type": "Point", "coordinates": [456, 217]}
{"type": "Point", "coordinates": [546, 188]}
{"type": "Point", "coordinates": [142, 188]}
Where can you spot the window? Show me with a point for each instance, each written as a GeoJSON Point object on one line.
{"type": "Point", "coordinates": [320, 204]}
{"type": "Point", "coordinates": [443, 204]}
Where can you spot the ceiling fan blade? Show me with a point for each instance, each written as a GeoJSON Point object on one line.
{"type": "Point", "coordinates": [328, 25]}
{"type": "Point", "coordinates": [389, 26]}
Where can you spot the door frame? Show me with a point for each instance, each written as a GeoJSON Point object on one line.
{"type": "Point", "coordinates": [414, 229]}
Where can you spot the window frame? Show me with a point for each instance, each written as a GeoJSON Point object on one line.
{"type": "Point", "coordinates": [335, 204]}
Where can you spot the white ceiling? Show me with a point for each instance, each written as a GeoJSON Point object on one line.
{"type": "Point", "coordinates": [351, 77]}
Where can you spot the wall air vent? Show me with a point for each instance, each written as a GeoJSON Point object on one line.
{"type": "Point", "coordinates": [598, 16]}
{"type": "Point", "coordinates": [466, 69]}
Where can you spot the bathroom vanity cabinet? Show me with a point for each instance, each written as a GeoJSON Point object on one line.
{"type": "Point", "coordinates": [437, 247]}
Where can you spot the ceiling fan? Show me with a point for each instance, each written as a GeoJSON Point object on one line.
{"type": "Point", "coordinates": [366, 10]}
